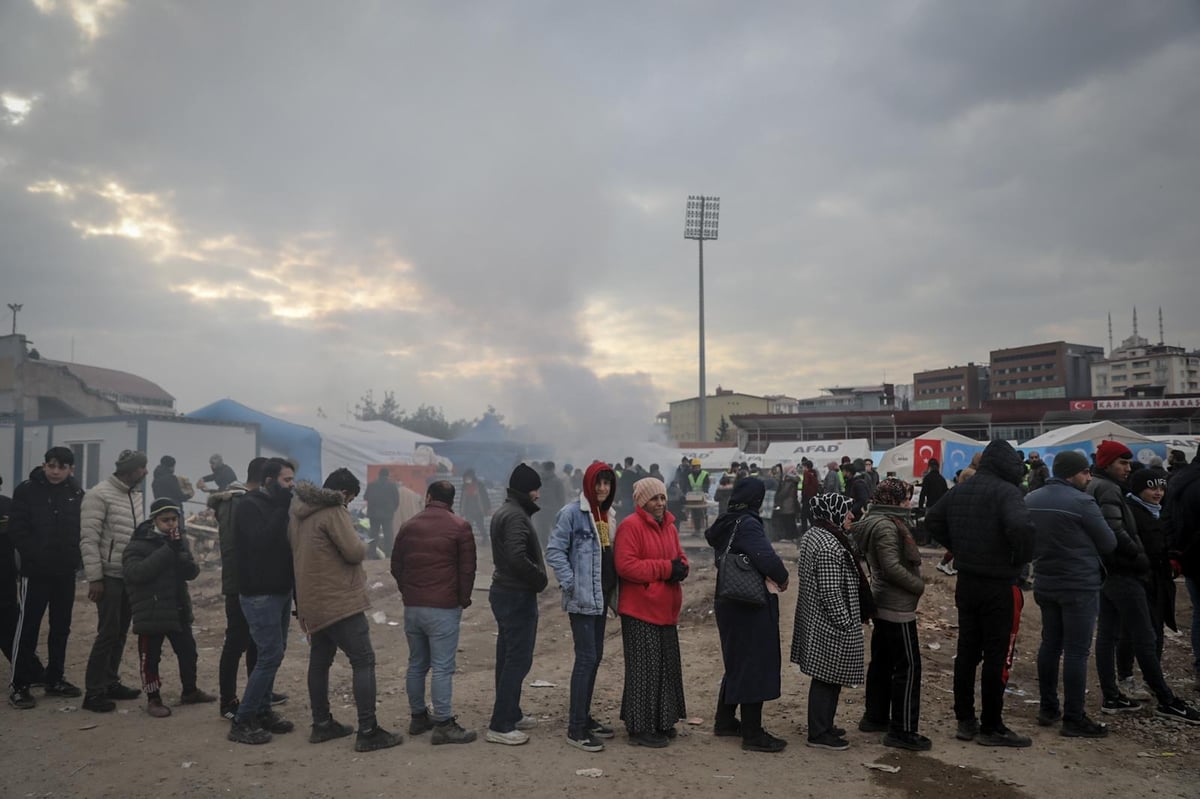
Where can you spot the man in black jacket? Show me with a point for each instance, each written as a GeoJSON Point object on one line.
{"type": "Point", "coordinates": [1181, 518]}
{"type": "Point", "coordinates": [383, 500]}
{"type": "Point", "coordinates": [265, 586]}
{"type": "Point", "coordinates": [518, 576]}
{"type": "Point", "coordinates": [10, 604]}
{"type": "Point", "coordinates": [44, 528]}
{"type": "Point", "coordinates": [985, 523]}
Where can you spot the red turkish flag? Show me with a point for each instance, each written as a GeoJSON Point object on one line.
{"type": "Point", "coordinates": [923, 450]}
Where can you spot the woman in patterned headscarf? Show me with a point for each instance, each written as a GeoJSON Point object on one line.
{"type": "Point", "coordinates": [827, 638]}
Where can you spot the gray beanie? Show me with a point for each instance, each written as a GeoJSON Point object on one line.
{"type": "Point", "coordinates": [1069, 463]}
{"type": "Point", "coordinates": [130, 460]}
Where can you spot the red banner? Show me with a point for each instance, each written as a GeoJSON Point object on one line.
{"type": "Point", "coordinates": [923, 450]}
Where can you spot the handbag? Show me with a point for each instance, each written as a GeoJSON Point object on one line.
{"type": "Point", "coordinates": [737, 579]}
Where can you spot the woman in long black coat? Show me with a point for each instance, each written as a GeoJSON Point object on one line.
{"type": "Point", "coordinates": [749, 634]}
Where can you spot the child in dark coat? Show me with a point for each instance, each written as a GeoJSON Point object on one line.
{"type": "Point", "coordinates": [158, 565]}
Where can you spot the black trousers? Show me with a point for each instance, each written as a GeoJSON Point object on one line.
{"type": "Point", "coordinates": [37, 594]}
{"type": "Point", "coordinates": [989, 615]}
{"type": "Point", "coordinates": [150, 655]}
{"type": "Point", "coordinates": [237, 642]}
{"type": "Point", "coordinates": [894, 676]}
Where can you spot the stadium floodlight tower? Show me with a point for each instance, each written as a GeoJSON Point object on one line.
{"type": "Point", "coordinates": [701, 225]}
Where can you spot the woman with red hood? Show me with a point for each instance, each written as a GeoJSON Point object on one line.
{"type": "Point", "coordinates": [581, 553]}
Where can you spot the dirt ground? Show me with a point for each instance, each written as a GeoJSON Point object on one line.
{"type": "Point", "coordinates": [59, 750]}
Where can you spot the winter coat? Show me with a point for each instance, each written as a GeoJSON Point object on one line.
{"type": "Point", "coordinates": [327, 556]}
{"type": "Point", "coordinates": [43, 525]}
{"type": "Point", "coordinates": [165, 485]}
{"type": "Point", "coordinates": [1071, 538]}
{"type": "Point", "coordinates": [222, 505]}
{"type": "Point", "coordinates": [575, 555]}
{"type": "Point", "coordinates": [859, 491]}
{"type": "Point", "coordinates": [832, 483]}
{"type": "Point", "coordinates": [787, 500]}
{"type": "Point", "coordinates": [108, 515]}
{"type": "Point", "coordinates": [264, 554]}
{"type": "Point", "coordinates": [643, 551]}
{"type": "Point", "coordinates": [223, 476]}
{"type": "Point", "coordinates": [516, 553]}
{"type": "Point", "coordinates": [933, 488]}
{"type": "Point", "coordinates": [750, 645]}
{"type": "Point", "coordinates": [894, 562]}
{"type": "Point", "coordinates": [383, 499]}
{"type": "Point", "coordinates": [1161, 578]}
{"type": "Point", "coordinates": [551, 500]}
{"type": "Point", "coordinates": [475, 504]}
{"type": "Point", "coordinates": [433, 559]}
{"type": "Point", "coordinates": [8, 561]}
{"type": "Point", "coordinates": [1129, 558]}
{"type": "Point", "coordinates": [811, 485]}
{"type": "Point", "coordinates": [1181, 517]}
{"type": "Point", "coordinates": [827, 635]}
{"type": "Point", "coordinates": [984, 521]}
{"type": "Point", "coordinates": [156, 577]}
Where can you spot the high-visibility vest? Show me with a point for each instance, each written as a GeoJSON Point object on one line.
{"type": "Point", "coordinates": [697, 480]}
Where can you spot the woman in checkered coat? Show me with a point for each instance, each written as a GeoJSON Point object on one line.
{"type": "Point", "coordinates": [827, 638]}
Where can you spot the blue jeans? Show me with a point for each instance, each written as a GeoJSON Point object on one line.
{"type": "Point", "coordinates": [588, 633]}
{"type": "Point", "coordinates": [353, 636]}
{"type": "Point", "coordinates": [1068, 618]}
{"type": "Point", "coordinates": [432, 643]}
{"type": "Point", "coordinates": [1124, 608]}
{"type": "Point", "coordinates": [516, 615]}
{"type": "Point", "coordinates": [268, 617]}
{"type": "Point", "coordinates": [1193, 589]}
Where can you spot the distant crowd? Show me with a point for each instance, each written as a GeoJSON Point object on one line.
{"type": "Point", "coordinates": [1099, 544]}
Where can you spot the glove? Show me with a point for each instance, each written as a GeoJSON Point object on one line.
{"type": "Point", "coordinates": [679, 571]}
{"type": "Point", "coordinates": [175, 543]}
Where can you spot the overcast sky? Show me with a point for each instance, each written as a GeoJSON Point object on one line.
{"type": "Point", "coordinates": [466, 203]}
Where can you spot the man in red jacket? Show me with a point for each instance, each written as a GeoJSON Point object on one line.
{"type": "Point", "coordinates": [433, 561]}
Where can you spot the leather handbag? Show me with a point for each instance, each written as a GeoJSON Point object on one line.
{"type": "Point", "coordinates": [737, 579]}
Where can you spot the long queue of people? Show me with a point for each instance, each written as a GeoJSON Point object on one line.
{"type": "Point", "coordinates": [291, 549]}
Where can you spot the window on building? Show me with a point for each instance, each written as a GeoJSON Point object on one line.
{"type": "Point", "coordinates": [87, 462]}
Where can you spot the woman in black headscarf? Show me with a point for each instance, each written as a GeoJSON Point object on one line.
{"type": "Point", "coordinates": [749, 634]}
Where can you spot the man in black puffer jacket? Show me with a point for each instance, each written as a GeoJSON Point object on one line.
{"type": "Point", "coordinates": [985, 523]}
{"type": "Point", "coordinates": [1181, 518]}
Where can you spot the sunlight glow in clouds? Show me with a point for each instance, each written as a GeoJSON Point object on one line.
{"type": "Point", "coordinates": [15, 108]}
{"type": "Point", "coordinates": [90, 16]}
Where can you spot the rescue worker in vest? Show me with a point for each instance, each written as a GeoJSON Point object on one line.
{"type": "Point", "coordinates": [698, 480]}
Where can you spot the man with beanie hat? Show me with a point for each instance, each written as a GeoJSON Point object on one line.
{"type": "Point", "coordinates": [1124, 608]}
{"type": "Point", "coordinates": [1072, 536]}
{"type": "Point", "coordinates": [518, 576]}
{"type": "Point", "coordinates": [110, 512]}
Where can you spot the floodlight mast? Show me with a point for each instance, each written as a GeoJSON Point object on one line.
{"type": "Point", "coordinates": [703, 214]}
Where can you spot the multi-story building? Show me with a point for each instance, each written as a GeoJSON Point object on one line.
{"type": "Point", "coordinates": [1054, 370]}
{"type": "Point", "coordinates": [851, 398]}
{"type": "Point", "coordinates": [684, 414]}
{"type": "Point", "coordinates": [1139, 367]}
{"type": "Point", "coordinates": [953, 388]}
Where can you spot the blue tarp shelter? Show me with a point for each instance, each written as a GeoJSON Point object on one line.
{"type": "Point", "coordinates": [488, 449]}
{"type": "Point", "coordinates": [299, 444]}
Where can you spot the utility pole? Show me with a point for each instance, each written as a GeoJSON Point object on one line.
{"type": "Point", "coordinates": [701, 225]}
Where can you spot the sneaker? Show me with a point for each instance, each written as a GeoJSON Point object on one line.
{"type": "Point", "coordinates": [829, 741]}
{"type": "Point", "coordinates": [912, 741]}
{"type": "Point", "coordinates": [449, 732]}
{"type": "Point", "coordinates": [275, 723]}
{"type": "Point", "coordinates": [651, 740]}
{"type": "Point", "coordinates": [377, 738]}
{"type": "Point", "coordinates": [63, 688]}
{"type": "Point", "coordinates": [728, 730]}
{"type": "Point", "coordinates": [1133, 689]}
{"type": "Point", "coordinates": [511, 738]}
{"type": "Point", "coordinates": [1003, 736]}
{"type": "Point", "coordinates": [278, 699]}
{"type": "Point", "coordinates": [196, 697]}
{"type": "Point", "coordinates": [764, 742]}
{"type": "Point", "coordinates": [1178, 710]}
{"type": "Point", "coordinates": [156, 709]}
{"type": "Point", "coordinates": [98, 703]}
{"type": "Point", "coordinates": [248, 732]}
{"type": "Point", "coordinates": [1048, 718]}
{"type": "Point", "coordinates": [946, 568]}
{"type": "Point", "coordinates": [838, 732]}
{"type": "Point", "coordinates": [600, 730]}
{"type": "Point", "coordinates": [1121, 704]}
{"type": "Point", "coordinates": [585, 742]}
{"type": "Point", "coordinates": [229, 709]}
{"type": "Point", "coordinates": [420, 723]}
{"type": "Point", "coordinates": [869, 725]}
{"type": "Point", "coordinates": [967, 730]}
{"type": "Point", "coordinates": [122, 692]}
{"type": "Point", "coordinates": [527, 723]}
{"type": "Point", "coordinates": [329, 730]}
{"type": "Point", "coordinates": [1083, 727]}
{"type": "Point", "coordinates": [21, 699]}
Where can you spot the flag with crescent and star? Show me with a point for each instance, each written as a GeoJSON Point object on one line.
{"type": "Point", "coordinates": [923, 450]}
{"type": "Point", "coordinates": [957, 457]}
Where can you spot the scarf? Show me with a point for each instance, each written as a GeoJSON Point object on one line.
{"type": "Point", "coordinates": [1153, 509]}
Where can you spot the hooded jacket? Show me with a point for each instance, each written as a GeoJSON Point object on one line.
{"type": "Point", "coordinates": [165, 485]}
{"type": "Point", "coordinates": [575, 552]}
{"type": "Point", "coordinates": [1071, 539]}
{"type": "Point", "coordinates": [433, 559]}
{"type": "Point", "coordinates": [894, 561]}
{"type": "Point", "coordinates": [1128, 558]}
{"type": "Point", "coordinates": [516, 553]}
{"type": "Point", "coordinates": [108, 515]}
{"type": "Point", "coordinates": [984, 521]}
{"type": "Point", "coordinates": [156, 576]}
{"type": "Point", "coordinates": [264, 555]}
{"type": "Point", "coordinates": [643, 551]}
{"type": "Point", "coordinates": [222, 504]}
{"type": "Point", "coordinates": [327, 554]}
{"type": "Point", "coordinates": [1181, 517]}
{"type": "Point", "coordinates": [43, 525]}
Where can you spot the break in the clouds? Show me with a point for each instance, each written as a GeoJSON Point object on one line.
{"type": "Point", "coordinates": [290, 203]}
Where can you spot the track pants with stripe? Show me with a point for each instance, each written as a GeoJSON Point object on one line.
{"type": "Point", "coordinates": [894, 676]}
{"type": "Point", "coordinates": [37, 594]}
{"type": "Point", "coordinates": [989, 615]}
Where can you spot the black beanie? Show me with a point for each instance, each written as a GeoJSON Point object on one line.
{"type": "Point", "coordinates": [1069, 463]}
{"type": "Point", "coordinates": [1142, 479]}
{"type": "Point", "coordinates": [524, 479]}
{"type": "Point", "coordinates": [163, 505]}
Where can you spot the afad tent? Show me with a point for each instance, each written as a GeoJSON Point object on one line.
{"type": "Point", "coordinates": [910, 459]}
{"type": "Point", "coordinates": [489, 449]}
{"type": "Point", "coordinates": [819, 452]}
{"type": "Point", "coordinates": [1085, 438]}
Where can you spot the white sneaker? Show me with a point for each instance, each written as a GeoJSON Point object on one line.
{"type": "Point", "coordinates": [527, 723]}
{"type": "Point", "coordinates": [1133, 689]}
{"type": "Point", "coordinates": [946, 568]}
{"type": "Point", "coordinates": [514, 738]}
